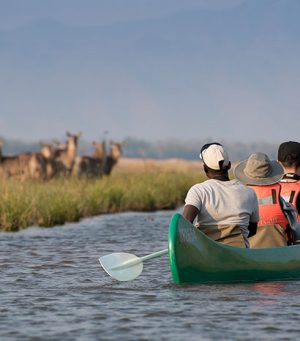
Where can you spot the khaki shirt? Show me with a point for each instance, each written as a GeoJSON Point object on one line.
{"type": "Point", "coordinates": [225, 234]}
{"type": "Point", "coordinates": [268, 236]}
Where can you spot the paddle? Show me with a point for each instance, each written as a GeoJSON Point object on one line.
{"type": "Point", "coordinates": [126, 266]}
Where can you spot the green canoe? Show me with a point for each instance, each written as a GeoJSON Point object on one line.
{"type": "Point", "coordinates": [195, 258]}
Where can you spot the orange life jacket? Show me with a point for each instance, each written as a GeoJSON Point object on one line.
{"type": "Point", "coordinates": [270, 211]}
{"type": "Point", "coordinates": [290, 192]}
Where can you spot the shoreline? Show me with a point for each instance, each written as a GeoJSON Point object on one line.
{"type": "Point", "coordinates": [130, 187]}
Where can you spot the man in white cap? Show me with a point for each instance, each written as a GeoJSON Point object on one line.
{"type": "Point", "coordinates": [224, 209]}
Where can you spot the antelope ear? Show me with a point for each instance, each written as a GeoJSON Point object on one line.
{"type": "Point", "coordinates": [68, 134]}
{"type": "Point", "coordinates": [93, 143]}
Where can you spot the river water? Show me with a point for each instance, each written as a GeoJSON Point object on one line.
{"type": "Point", "coordinates": [53, 288]}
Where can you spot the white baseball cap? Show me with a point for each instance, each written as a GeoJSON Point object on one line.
{"type": "Point", "coordinates": [214, 156]}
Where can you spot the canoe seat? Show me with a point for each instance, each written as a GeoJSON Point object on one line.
{"type": "Point", "coordinates": [268, 236]}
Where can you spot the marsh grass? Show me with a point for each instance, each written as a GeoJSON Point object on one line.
{"type": "Point", "coordinates": [67, 200]}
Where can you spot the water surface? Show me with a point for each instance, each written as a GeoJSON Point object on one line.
{"type": "Point", "coordinates": [53, 288]}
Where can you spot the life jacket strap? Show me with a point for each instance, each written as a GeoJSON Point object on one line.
{"type": "Point", "coordinates": [274, 196]}
{"type": "Point", "coordinates": [268, 200]}
{"type": "Point", "coordinates": [292, 196]}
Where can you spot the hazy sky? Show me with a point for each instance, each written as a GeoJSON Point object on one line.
{"type": "Point", "coordinates": [150, 69]}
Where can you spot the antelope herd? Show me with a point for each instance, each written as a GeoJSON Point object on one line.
{"type": "Point", "coordinates": [56, 159]}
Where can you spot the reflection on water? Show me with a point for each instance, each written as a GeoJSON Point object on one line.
{"type": "Point", "coordinates": [270, 289]}
{"type": "Point", "coordinates": [53, 288]}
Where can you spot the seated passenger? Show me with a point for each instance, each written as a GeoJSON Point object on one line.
{"type": "Point", "coordinates": [263, 175]}
{"type": "Point", "coordinates": [289, 158]}
{"type": "Point", "coordinates": [224, 209]}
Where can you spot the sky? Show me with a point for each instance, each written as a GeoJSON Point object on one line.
{"type": "Point", "coordinates": [150, 69]}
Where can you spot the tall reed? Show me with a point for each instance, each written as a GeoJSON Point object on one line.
{"type": "Point", "coordinates": [67, 200]}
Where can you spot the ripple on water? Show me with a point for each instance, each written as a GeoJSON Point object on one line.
{"type": "Point", "coordinates": [52, 287]}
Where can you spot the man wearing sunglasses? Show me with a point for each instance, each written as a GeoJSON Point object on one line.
{"type": "Point", "coordinates": [224, 209]}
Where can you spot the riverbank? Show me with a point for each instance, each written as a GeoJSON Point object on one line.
{"type": "Point", "coordinates": [151, 165]}
{"type": "Point", "coordinates": [58, 201]}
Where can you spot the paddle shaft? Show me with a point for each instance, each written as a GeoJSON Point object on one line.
{"type": "Point", "coordinates": [154, 255]}
{"type": "Point", "coordinates": [132, 262]}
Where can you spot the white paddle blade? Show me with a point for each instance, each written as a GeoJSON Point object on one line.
{"type": "Point", "coordinates": [122, 266]}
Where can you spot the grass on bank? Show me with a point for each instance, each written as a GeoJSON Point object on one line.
{"type": "Point", "coordinates": [67, 200]}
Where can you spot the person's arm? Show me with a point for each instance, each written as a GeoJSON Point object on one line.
{"type": "Point", "coordinates": [254, 218]}
{"type": "Point", "coordinates": [190, 212]}
{"type": "Point", "coordinates": [298, 203]}
{"type": "Point", "coordinates": [252, 229]}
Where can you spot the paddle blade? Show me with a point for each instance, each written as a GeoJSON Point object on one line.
{"type": "Point", "coordinates": [122, 266]}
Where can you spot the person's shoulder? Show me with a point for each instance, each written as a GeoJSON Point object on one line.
{"type": "Point", "coordinates": [234, 183]}
{"type": "Point", "coordinates": [243, 187]}
{"type": "Point", "coordinates": [201, 185]}
{"type": "Point", "coordinates": [250, 191]}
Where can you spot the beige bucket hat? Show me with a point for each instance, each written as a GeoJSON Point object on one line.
{"type": "Point", "coordinates": [258, 170]}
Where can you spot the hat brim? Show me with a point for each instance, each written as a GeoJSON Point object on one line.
{"type": "Point", "coordinates": [275, 175]}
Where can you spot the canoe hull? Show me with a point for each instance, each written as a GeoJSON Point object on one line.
{"type": "Point", "coordinates": [195, 258]}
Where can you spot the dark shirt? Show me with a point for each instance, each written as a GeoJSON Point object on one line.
{"type": "Point", "coordinates": [293, 176]}
{"type": "Point", "coordinates": [298, 203]}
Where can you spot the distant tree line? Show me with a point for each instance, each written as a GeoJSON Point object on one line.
{"type": "Point", "coordinates": [164, 149]}
{"type": "Point", "coordinates": [189, 150]}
